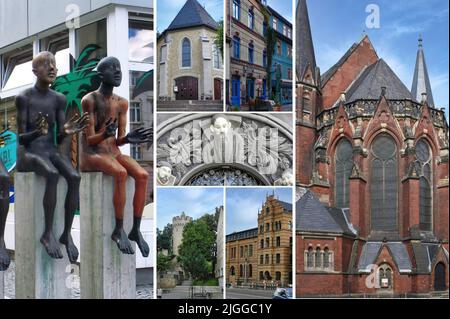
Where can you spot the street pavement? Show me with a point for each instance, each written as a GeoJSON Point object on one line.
{"type": "Point", "coordinates": [247, 293]}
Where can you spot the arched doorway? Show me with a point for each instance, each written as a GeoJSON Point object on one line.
{"type": "Point", "coordinates": [186, 88]}
{"type": "Point", "coordinates": [218, 89]}
{"type": "Point", "coordinates": [439, 277]}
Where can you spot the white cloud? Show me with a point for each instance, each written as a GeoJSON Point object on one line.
{"type": "Point", "coordinates": [140, 47]}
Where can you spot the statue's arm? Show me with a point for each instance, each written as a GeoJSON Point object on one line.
{"type": "Point", "coordinates": [25, 137]}
{"type": "Point", "coordinates": [92, 137]}
{"type": "Point", "coordinates": [121, 138]}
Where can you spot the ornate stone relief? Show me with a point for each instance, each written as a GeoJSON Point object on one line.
{"type": "Point", "coordinates": [225, 149]}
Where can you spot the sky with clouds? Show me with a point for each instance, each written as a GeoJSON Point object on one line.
{"type": "Point", "coordinates": [194, 201]}
{"type": "Point", "coordinates": [242, 205]}
{"type": "Point", "coordinates": [283, 7]}
{"type": "Point", "coordinates": [336, 25]}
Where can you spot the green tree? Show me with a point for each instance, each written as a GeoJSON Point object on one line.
{"type": "Point", "coordinates": [163, 263]}
{"type": "Point", "coordinates": [164, 238]}
{"type": "Point", "coordinates": [197, 250]}
{"type": "Point", "coordinates": [218, 41]}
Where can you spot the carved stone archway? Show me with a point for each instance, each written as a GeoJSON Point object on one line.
{"type": "Point", "coordinates": [226, 149]}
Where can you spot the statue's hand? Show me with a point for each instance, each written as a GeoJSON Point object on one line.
{"type": "Point", "coordinates": [111, 128]}
{"type": "Point", "coordinates": [140, 135]}
{"type": "Point", "coordinates": [76, 124]}
{"type": "Point", "coordinates": [4, 139]}
{"type": "Point", "coordinates": [42, 124]}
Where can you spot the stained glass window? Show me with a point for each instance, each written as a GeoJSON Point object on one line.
{"type": "Point", "coordinates": [343, 170]}
{"type": "Point", "coordinates": [423, 154]}
{"type": "Point", "coordinates": [383, 187]}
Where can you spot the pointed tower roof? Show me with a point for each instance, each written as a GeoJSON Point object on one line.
{"type": "Point", "coordinates": [192, 14]}
{"type": "Point", "coordinates": [368, 85]}
{"type": "Point", "coordinates": [305, 48]}
{"type": "Point", "coordinates": [421, 81]}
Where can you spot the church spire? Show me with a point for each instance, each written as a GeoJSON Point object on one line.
{"type": "Point", "coordinates": [421, 81]}
{"type": "Point", "coordinates": [305, 48]}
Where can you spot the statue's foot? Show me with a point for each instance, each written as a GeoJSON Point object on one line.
{"type": "Point", "coordinates": [72, 250]}
{"type": "Point", "coordinates": [135, 235]}
{"type": "Point", "coordinates": [120, 238]}
{"type": "Point", "coordinates": [4, 258]}
{"type": "Point", "coordinates": [51, 245]}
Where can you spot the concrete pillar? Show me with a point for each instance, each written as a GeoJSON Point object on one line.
{"type": "Point", "coordinates": [37, 275]}
{"type": "Point", "coordinates": [105, 272]}
{"type": "Point", "coordinates": [2, 284]}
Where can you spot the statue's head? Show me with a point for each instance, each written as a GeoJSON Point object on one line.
{"type": "Point", "coordinates": [288, 177]}
{"type": "Point", "coordinates": [44, 67]}
{"type": "Point", "coordinates": [164, 171]}
{"type": "Point", "coordinates": [109, 71]}
{"type": "Point", "coordinates": [220, 124]}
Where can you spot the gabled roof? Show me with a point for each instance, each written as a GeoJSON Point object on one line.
{"type": "Point", "coordinates": [421, 81]}
{"type": "Point", "coordinates": [371, 250]}
{"type": "Point", "coordinates": [192, 14]}
{"type": "Point", "coordinates": [305, 48]}
{"type": "Point", "coordinates": [372, 79]}
{"type": "Point", "coordinates": [328, 74]}
{"type": "Point", "coordinates": [313, 216]}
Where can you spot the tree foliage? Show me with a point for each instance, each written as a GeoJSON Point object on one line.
{"type": "Point", "coordinates": [164, 238]}
{"type": "Point", "coordinates": [218, 41]}
{"type": "Point", "coordinates": [164, 263]}
{"type": "Point", "coordinates": [197, 250]}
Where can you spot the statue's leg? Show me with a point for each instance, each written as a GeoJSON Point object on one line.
{"type": "Point", "coordinates": [140, 176]}
{"type": "Point", "coordinates": [73, 178]}
{"type": "Point", "coordinates": [5, 182]}
{"type": "Point", "coordinates": [110, 166]}
{"type": "Point", "coordinates": [43, 167]}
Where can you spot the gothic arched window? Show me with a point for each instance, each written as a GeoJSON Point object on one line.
{"type": "Point", "coordinates": [326, 258]}
{"type": "Point", "coordinates": [423, 154]}
{"type": "Point", "coordinates": [383, 185]}
{"type": "Point", "coordinates": [318, 258]}
{"type": "Point", "coordinates": [342, 172]}
{"type": "Point", "coordinates": [186, 53]}
{"type": "Point", "coordinates": [307, 106]}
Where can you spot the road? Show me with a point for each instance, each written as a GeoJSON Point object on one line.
{"type": "Point", "coordinates": [246, 293]}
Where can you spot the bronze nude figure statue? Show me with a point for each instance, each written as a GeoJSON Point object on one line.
{"type": "Point", "coordinates": [99, 151]}
{"type": "Point", "coordinates": [41, 116]}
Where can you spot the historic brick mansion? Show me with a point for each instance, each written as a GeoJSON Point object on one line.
{"type": "Point", "coordinates": [372, 176]}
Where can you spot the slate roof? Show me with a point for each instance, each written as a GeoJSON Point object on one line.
{"type": "Point", "coordinates": [313, 216]}
{"type": "Point", "coordinates": [424, 255]}
{"type": "Point", "coordinates": [286, 206]}
{"type": "Point", "coordinates": [305, 48]}
{"type": "Point", "coordinates": [421, 81]}
{"type": "Point", "coordinates": [244, 234]}
{"type": "Point", "coordinates": [192, 14]}
{"type": "Point", "coordinates": [371, 250]}
{"type": "Point", "coordinates": [368, 85]}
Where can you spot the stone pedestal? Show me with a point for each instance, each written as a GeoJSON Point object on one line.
{"type": "Point", "coordinates": [105, 272]}
{"type": "Point", "coordinates": [2, 285]}
{"type": "Point", "coordinates": [37, 275]}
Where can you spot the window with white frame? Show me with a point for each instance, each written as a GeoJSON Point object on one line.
{"type": "Point", "coordinates": [274, 23]}
{"type": "Point", "coordinates": [135, 112]}
{"type": "Point", "coordinates": [216, 57]}
{"type": "Point", "coordinates": [136, 152]}
{"type": "Point", "coordinates": [17, 68]}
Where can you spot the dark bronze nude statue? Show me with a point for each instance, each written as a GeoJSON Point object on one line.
{"type": "Point", "coordinates": [100, 151]}
{"type": "Point", "coordinates": [39, 111]}
{"type": "Point", "coordinates": [5, 182]}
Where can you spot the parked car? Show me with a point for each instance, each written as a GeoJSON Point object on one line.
{"type": "Point", "coordinates": [282, 293]}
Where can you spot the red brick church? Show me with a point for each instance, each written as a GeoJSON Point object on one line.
{"type": "Point", "coordinates": [372, 176]}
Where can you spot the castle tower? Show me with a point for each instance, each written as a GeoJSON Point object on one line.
{"type": "Point", "coordinates": [178, 224]}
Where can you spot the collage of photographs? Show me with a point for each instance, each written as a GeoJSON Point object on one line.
{"type": "Point", "coordinates": [224, 149]}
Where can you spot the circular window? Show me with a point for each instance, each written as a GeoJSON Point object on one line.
{"type": "Point", "coordinates": [384, 147]}
{"type": "Point", "coordinates": [422, 151]}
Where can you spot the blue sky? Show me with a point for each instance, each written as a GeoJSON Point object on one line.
{"type": "Point", "coordinates": [242, 205]}
{"type": "Point", "coordinates": [168, 9]}
{"type": "Point", "coordinates": [283, 7]}
{"type": "Point", "coordinates": [194, 201]}
{"type": "Point", "coordinates": [336, 25]}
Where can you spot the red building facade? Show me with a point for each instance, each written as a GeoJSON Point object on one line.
{"type": "Point", "coordinates": [372, 176]}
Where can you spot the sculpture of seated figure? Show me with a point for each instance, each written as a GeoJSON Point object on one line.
{"type": "Point", "coordinates": [39, 110]}
{"type": "Point", "coordinates": [99, 151]}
